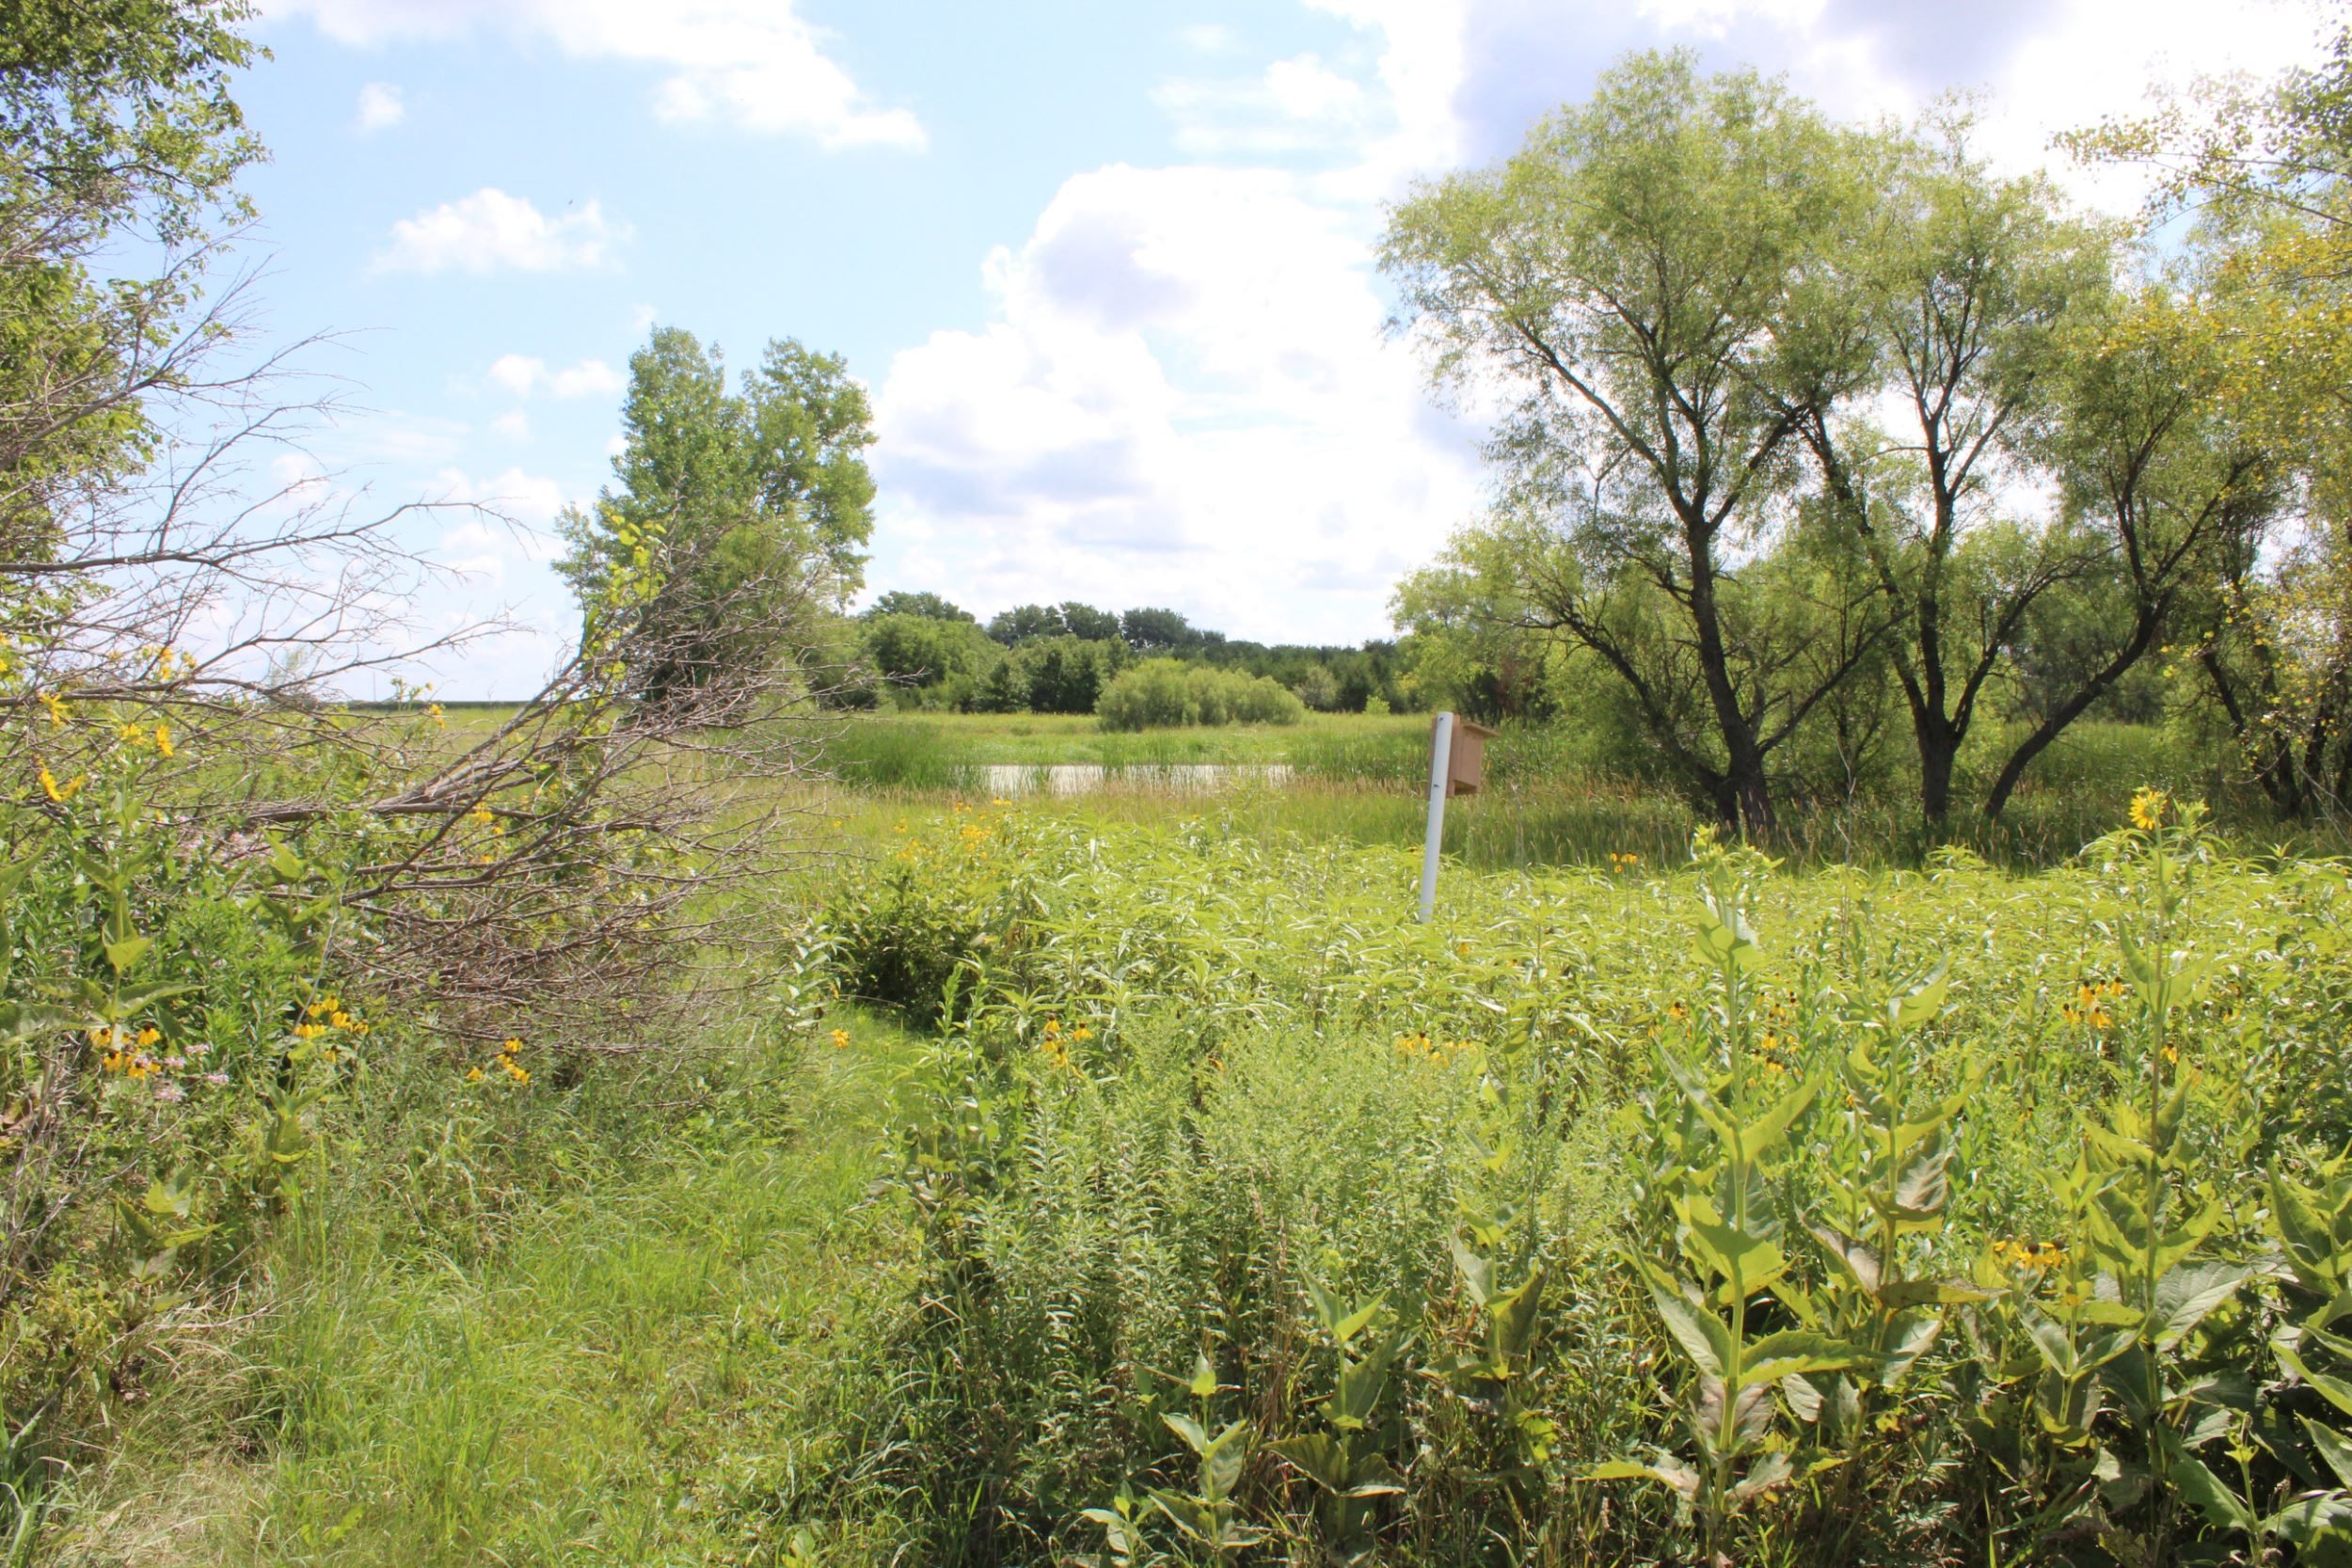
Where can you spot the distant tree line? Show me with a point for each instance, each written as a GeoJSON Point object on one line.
{"type": "Point", "coordinates": [930, 654]}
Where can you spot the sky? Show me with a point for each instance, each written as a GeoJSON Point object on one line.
{"type": "Point", "coordinates": [1105, 270]}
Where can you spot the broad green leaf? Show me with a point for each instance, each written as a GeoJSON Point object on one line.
{"type": "Point", "coordinates": [1189, 1430]}
{"type": "Point", "coordinates": [2204, 1490]}
{"type": "Point", "coordinates": [2334, 1447]}
{"type": "Point", "coordinates": [121, 954]}
{"type": "Point", "coordinates": [2186, 1294]}
{"type": "Point", "coordinates": [1922, 1002]}
{"type": "Point", "coordinates": [1934, 1293]}
{"type": "Point", "coordinates": [1203, 1384]}
{"type": "Point", "coordinates": [1321, 1457]}
{"type": "Point", "coordinates": [1515, 1317]}
{"type": "Point", "coordinates": [1701, 1334]}
{"type": "Point", "coordinates": [1767, 1131]}
{"type": "Point", "coordinates": [1795, 1351]}
{"type": "Point", "coordinates": [2333, 1390]}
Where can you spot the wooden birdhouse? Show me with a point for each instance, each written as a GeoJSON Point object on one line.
{"type": "Point", "coordinates": [1466, 764]}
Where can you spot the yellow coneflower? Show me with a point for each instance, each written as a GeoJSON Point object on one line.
{"type": "Point", "coordinates": [2148, 809]}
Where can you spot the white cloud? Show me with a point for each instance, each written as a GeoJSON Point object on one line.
{"type": "Point", "coordinates": [490, 229]}
{"type": "Point", "coordinates": [522, 374]}
{"type": "Point", "coordinates": [1185, 396]}
{"type": "Point", "coordinates": [587, 380]}
{"type": "Point", "coordinates": [750, 63]}
{"type": "Point", "coordinates": [381, 106]}
{"type": "Point", "coordinates": [513, 425]}
{"type": "Point", "coordinates": [520, 506]}
{"type": "Point", "coordinates": [517, 374]}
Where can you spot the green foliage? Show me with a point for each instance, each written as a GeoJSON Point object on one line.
{"type": "Point", "coordinates": [1167, 693]}
{"type": "Point", "coordinates": [748, 505]}
{"type": "Point", "coordinates": [116, 123]}
{"type": "Point", "coordinates": [1879, 1219]}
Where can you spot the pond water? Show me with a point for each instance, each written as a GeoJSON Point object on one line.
{"type": "Point", "coordinates": [1082, 778]}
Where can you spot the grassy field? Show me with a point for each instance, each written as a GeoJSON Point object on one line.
{"type": "Point", "coordinates": [1142, 1099]}
{"type": "Point", "coordinates": [2003, 1210]}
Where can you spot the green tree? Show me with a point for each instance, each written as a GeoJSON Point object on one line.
{"type": "Point", "coordinates": [1655, 271]}
{"type": "Point", "coordinates": [1085, 622]}
{"type": "Point", "coordinates": [930, 607]}
{"type": "Point", "coordinates": [119, 148]}
{"type": "Point", "coordinates": [1158, 631]}
{"type": "Point", "coordinates": [943, 662]}
{"type": "Point", "coordinates": [1962, 282]}
{"type": "Point", "coordinates": [747, 506]}
{"type": "Point", "coordinates": [1026, 624]}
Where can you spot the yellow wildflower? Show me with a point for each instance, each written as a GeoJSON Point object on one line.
{"type": "Point", "coordinates": [473, 1075]}
{"type": "Point", "coordinates": [149, 1035]}
{"type": "Point", "coordinates": [2148, 809]}
{"type": "Point", "coordinates": [163, 739]}
{"type": "Point", "coordinates": [509, 1047]}
{"type": "Point", "coordinates": [840, 1039]}
{"type": "Point", "coordinates": [59, 712]}
{"type": "Point", "coordinates": [61, 792]}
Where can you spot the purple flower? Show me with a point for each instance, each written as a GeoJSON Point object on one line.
{"type": "Point", "coordinates": [169, 1092]}
{"type": "Point", "coordinates": [218, 1080]}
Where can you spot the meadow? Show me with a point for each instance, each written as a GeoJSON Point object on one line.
{"type": "Point", "coordinates": [1133, 1179]}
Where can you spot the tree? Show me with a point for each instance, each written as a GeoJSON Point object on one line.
{"type": "Point", "coordinates": [1024, 623]}
{"type": "Point", "coordinates": [1963, 281]}
{"type": "Point", "coordinates": [748, 506]}
{"type": "Point", "coordinates": [1652, 279]}
{"type": "Point", "coordinates": [2264, 171]}
{"type": "Point", "coordinates": [945, 661]}
{"type": "Point", "coordinates": [930, 607]}
{"type": "Point", "coordinates": [2147, 456]}
{"type": "Point", "coordinates": [120, 147]}
{"type": "Point", "coordinates": [1085, 621]}
{"type": "Point", "coordinates": [1157, 632]}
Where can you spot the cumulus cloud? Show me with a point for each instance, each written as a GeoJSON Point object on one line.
{"type": "Point", "coordinates": [382, 105]}
{"type": "Point", "coordinates": [1183, 395]}
{"type": "Point", "coordinates": [522, 374]}
{"type": "Point", "coordinates": [491, 230]}
{"type": "Point", "coordinates": [749, 63]}
{"type": "Point", "coordinates": [520, 507]}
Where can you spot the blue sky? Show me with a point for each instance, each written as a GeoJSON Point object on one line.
{"type": "Point", "coordinates": [1104, 269]}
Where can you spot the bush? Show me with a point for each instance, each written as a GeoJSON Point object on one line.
{"type": "Point", "coordinates": [1163, 693]}
{"type": "Point", "coordinates": [1465, 1234]}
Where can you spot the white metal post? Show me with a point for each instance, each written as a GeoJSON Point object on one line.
{"type": "Point", "coordinates": [1441, 764]}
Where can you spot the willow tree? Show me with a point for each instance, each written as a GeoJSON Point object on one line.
{"type": "Point", "coordinates": [1965, 285]}
{"type": "Point", "coordinates": [1651, 285]}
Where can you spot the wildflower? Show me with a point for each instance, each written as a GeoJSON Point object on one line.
{"type": "Point", "coordinates": [169, 1092]}
{"type": "Point", "coordinates": [218, 1080]}
{"type": "Point", "coordinates": [59, 712]}
{"type": "Point", "coordinates": [149, 1035]}
{"type": "Point", "coordinates": [163, 739]}
{"type": "Point", "coordinates": [473, 1075]}
{"type": "Point", "coordinates": [61, 792]}
{"type": "Point", "coordinates": [340, 1019]}
{"type": "Point", "coordinates": [433, 711]}
{"type": "Point", "coordinates": [175, 1062]}
{"type": "Point", "coordinates": [1677, 1009]}
{"type": "Point", "coordinates": [1053, 1028]}
{"type": "Point", "coordinates": [2148, 809]}
{"type": "Point", "coordinates": [510, 1047]}
{"type": "Point", "coordinates": [200, 1047]}
{"type": "Point", "coordinates": [840, 1039]}
{"type": "Point", "coordinates": [1082, 1034]}
{"type": "Point", "coordinates": [114, 1061]}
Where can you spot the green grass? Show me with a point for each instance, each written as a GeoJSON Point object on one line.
{"type": "Point", "coordinates": [573, 1359]}
{"type": "Point", "coordinates": [984, 739]}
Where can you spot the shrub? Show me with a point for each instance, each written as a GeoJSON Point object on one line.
{"type": "Point", "coordinates": [1163, 693]}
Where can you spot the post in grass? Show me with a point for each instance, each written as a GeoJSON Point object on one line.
{"type": "Point", "coordinates": [1458, 766]}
